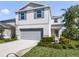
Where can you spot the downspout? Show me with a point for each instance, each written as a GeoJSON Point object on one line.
{"type": "Point", "coordinates": [49, 15]}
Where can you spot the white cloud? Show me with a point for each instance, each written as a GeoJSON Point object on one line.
{"type": "Point", "coordinates": [4, 11]}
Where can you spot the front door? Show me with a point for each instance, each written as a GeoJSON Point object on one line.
{"type": "Point", "coordinates": [56, 33]}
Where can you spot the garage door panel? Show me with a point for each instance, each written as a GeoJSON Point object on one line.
{"type": "Point", "coordinates": [30, 35]}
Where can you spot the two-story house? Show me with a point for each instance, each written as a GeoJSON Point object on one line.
{"type": "Point", "coordinates": [34, 21]}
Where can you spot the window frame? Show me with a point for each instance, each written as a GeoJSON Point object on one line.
{"type": "Point", "coordinates": [20, 15]}
{"type": "Point", "coordinates": [36, 13]}
{"type": "Point", "coordinates": [55, 20]}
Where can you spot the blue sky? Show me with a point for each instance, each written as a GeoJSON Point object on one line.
{"type": "Point", "coordinates": [8, 8]}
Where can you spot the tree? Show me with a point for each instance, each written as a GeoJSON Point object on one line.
{"type": "Point", "coordinates": [71, 19]}
{"type": "Point", "coordinates": [1, 31]}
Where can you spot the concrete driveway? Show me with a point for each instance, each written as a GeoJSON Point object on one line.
{"type": "Point", "coordinates": [15, 46]}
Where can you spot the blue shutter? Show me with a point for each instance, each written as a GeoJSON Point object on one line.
{"type": "Point", "coordinates": [42, 13]}
{"type": "Point", "coordinates": [25, 16]}
{"type": "Point", "coordinates": [19, 15]}
{"type": "Point", "coordinates": [35, 14]}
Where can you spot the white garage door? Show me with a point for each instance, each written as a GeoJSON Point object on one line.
{"type": "Point", "coordinates": [30, 35]}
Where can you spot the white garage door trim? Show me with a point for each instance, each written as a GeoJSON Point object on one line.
{"type": "Point", "coordinates": [31, 34]}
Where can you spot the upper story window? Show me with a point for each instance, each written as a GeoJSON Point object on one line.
{"type": "Point", "coordinates": [55, 20]}
{"type": "Point", "coordinates": [22, 15]}
{"type": "Point", "coordinates": [39, 13]}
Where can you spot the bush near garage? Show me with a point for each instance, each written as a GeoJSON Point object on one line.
{"type": "Point", "coordinates": [10, 39]}
{"type": "Point", "coordinates": [57, 46]}
{"type": "Point", "coordinates": [65, 43]}
{"type": "Point", "coordinates": [46, 41]}
{"type": "Point", "coordinates": [3, 40]}
{"type": "Point", "coordinates": [64, 40]}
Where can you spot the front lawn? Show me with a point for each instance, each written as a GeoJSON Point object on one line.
{"type": "Point", "coordinates": [40, 51]}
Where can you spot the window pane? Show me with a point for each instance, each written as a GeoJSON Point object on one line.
{"type": "Point", "coordinates": [22, 15]}
{"type": "Point", "coordinates": [38, 15]}
{"type": "Point", "coordinates": [38, 11]}
{"type": "Point", "coordinates": [55, 20]}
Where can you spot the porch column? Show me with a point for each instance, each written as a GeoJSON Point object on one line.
{"type": "Point", "coordinates": [49, 30]}
{"type": "Point", "coordinates": [56, 35]}
{"type": "Point", "coordinates": [17, 32]}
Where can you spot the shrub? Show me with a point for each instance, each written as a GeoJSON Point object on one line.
{"type": "Point", "coordinates": [64, 40]}
{"type": "Point", "coordinates": [1, 38]}
{"type": "Point", "coordinates": [65, 43]}
{"type": "Point", "coordinates": [45, 44]}
{"type": "Point", "coordinates": [47, 39]}
{"type": "Point", "coordinates": [14, 38]}
{"type": "Point", "coordinates": [10, 39]}
{"type": "Point", "coordinates": [64, 33]}
{"type": "Point", "coordinates": [41, 44]}
{"type": "Point", "coordinates": [7, 39]}
{"type": "Point", "coordinates": [65, 46]}
{"type": "Point", "coordinates": [57, 46]}
{"type": "Point", "coordinates": [72, 46]}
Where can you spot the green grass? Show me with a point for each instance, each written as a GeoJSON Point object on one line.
{"type": "Point", "coordinates": [40, 51]}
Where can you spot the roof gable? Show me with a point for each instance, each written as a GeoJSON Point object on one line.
{"type": "Point", "coordinates": [31, 5]}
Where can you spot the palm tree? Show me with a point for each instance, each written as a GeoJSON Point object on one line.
{"type": "Point", "coordinates": [71, 14]}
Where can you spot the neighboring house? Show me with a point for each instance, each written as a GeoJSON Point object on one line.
{"type": "Point", "coordinates": [7, 28]}
{"type": "Point", "coordinates": [34, 21]}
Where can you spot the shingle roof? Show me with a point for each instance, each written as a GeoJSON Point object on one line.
{"type": "Point", "coordinates": [7, 26]}
{"type": "Point", "coordinates": [57, 17]}
{"type": "Point", "coordinates": [9, 20]}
